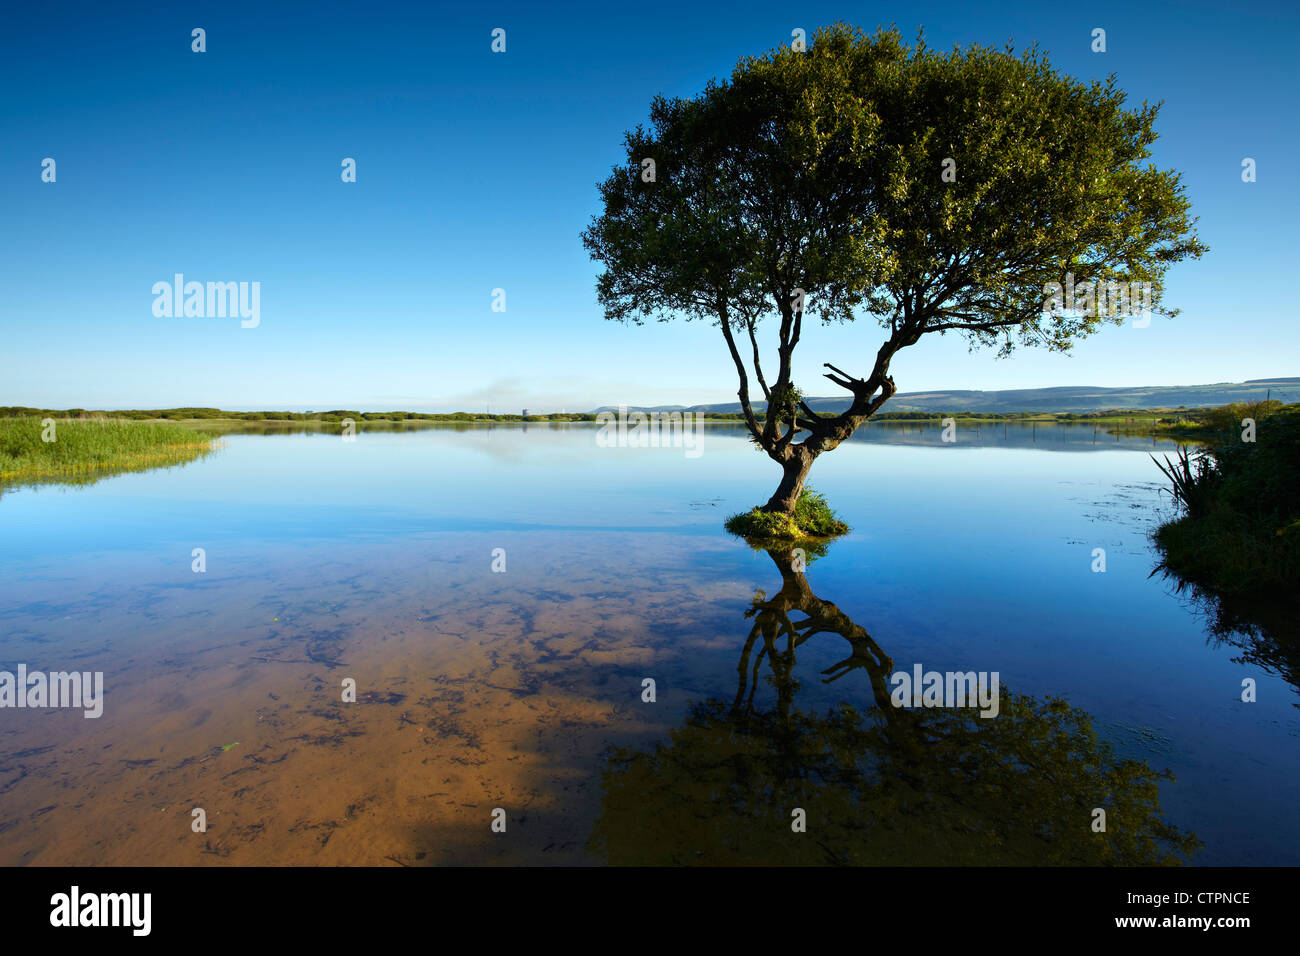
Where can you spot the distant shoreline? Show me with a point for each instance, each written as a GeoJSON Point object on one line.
{"type": "Point", "coordinates": [199, 417]}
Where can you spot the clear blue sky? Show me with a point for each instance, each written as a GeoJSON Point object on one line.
{"type": "Point", "coordinates": [478, 170]}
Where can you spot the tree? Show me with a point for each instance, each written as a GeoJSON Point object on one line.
{"type": "Point", "coordinates": [934, 192]}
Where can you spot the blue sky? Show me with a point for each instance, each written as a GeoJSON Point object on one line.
{"type": "Point", "coordinates": [477, 171]}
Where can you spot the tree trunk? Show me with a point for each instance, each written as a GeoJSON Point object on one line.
{"type": "Point", "coordinates": [787, 493]}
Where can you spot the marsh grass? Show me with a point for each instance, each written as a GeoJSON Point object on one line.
{"type": "Point", "coordinates": [86, 450]}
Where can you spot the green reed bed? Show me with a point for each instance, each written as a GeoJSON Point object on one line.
{"type": "Point", "coordinates": [85, 450]}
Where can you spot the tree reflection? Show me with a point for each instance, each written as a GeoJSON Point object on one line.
{"type": "Point", "coordinates": [879, 785]}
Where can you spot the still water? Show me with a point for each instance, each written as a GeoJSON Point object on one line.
{"type": "Point", "coordinates": [523, 688]}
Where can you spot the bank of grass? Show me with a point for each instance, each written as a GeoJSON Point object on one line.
{"type": "Point", "coordinates": [1239, 532]}
{"type": "Point", "coordinates": [812, 520]}
{"type": "Point", "coordinates": [85, 450]}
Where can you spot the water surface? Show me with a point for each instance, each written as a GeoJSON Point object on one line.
{"type": "Point", "coordinates": [522, 689]}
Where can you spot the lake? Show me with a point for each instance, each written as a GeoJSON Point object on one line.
{"type": "Point", "coordinates": [501, 596]}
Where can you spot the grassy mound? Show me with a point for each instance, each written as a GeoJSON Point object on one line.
{"type": "Point", "coordinates": [85, 450]}
{"type": "Point", "coordinates": [812, 519]}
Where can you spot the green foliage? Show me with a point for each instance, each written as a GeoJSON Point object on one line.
{"type": "Point", "coordinates": [784, 402]}
{"type": "Point", "coordinates": [1227, 418]}
{"type": "Point", "coordinates": [822, 171]}
{"type": "Point", "coordinates": [86, 450]}
{"type": "Point", "coordinates": [813, 518]}
{"type": "Point", "coordinates": [1240, 531]}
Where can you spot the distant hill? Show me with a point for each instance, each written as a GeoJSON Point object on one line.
{"type": "Point", "coordinates": [1065, 398]}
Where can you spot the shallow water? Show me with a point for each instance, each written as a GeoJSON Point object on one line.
{"type": "Point", "coordinates": [480, 689]}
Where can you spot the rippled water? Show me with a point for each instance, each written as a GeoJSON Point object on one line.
{"type": "Point", "coordinates": [523, 690]}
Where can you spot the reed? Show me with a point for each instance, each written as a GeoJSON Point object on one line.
{"type": "Point", "coordinates": [1193, 480]}
{"type": "Point", "coordinates": [86, 450]}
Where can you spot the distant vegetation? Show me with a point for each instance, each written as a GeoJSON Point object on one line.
{"type": "Point", "coordinates": [1213, 423]}
{"type": "Point", "coordinates": [1189, 419]}
{"type": "Point", "coordinates": [1239, 532]}
{"type": "Point", "coordinates": [1105, 417]}
{"type": "Point", "coordinates": [83, 451]}
{"type": "Point", "coordinates": [334, 416]}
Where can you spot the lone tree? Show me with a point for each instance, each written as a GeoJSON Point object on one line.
{"type": "Point", "coordinates": [936, 192]}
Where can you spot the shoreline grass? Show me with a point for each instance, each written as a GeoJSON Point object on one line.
{"type": "Point", "coordinates": [1238, 533]}
{"type": "Point", "coordinates": [85, 450]}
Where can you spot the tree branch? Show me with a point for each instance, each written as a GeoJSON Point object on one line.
{"type": "Point", "coordinates": [743, 393]}
{"type": "Point", "coordinates": [758, 368]}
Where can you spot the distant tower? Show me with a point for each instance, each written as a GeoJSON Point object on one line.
{"type": "Point", "coordinates": [525, 413]}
